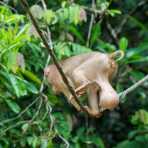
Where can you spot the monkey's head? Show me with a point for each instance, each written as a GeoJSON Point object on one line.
{"type": "Point", "coordinates": [108, 97]}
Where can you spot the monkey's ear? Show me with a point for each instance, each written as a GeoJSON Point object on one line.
{"type": "Point", "coordinates": [117, 55]}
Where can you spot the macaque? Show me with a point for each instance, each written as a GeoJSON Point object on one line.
{"type": "Point", "coordinates": [87, 73]}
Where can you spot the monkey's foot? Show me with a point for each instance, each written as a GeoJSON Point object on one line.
{"type": "Point", "coordinates": [95, 114]}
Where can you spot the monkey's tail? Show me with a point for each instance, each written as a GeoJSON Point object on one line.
{"type": "Point", "coordinates": [117, 55]}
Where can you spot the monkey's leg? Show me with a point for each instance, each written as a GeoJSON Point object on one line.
{"type": "Point", "coordinates": [78, 79]}
{"type": "Point", "coordinates": [93, 108]}
{"type": "Point", "coordinates": [72, 101]}
{"type": "Point", "coordinates": [93, 100]}
{"type": "Point", "coordinates": [96, 115]}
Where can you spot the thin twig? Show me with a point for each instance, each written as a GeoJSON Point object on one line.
{"type": "Point", "coordinates": [52, 123]}
{"type": "Point", "coordinates": [133, 87]}
{"type": "Point", "coordinates": [112, 32]}
{"type": "Point", "coordinates": [44, 4]}
{"type": "Point", "coordinates": [49, 110]}
{"type": "Point", "coordinates": [64, 140]}
{"type": "Point", "coordinates": [26, 7]}
{"type": "Point", "coordinates": [91, 24]}
{"type": "Point", "coordinates": [6, 5]}
{"type": "Point", "coordinates": [38, 110]}
{"type": "Point", "coordinates": [101, 17]}
{"type": "Point", "coordinates": [22, 122]}
{"type": "Point", "coordinates": [44, 78]}
{"type": "Point", "coordinates": [12, 126]}
{"type": "Point", "coordinates": [124, 21]}
{"type": "Point", "coordinates": [93, 10]}
{"type": "Point", "coordinates": [21, 113]}
{"type": "Point", "coordinates": [48, 107]}
{"type": "Point", "coordinates": [50, 44]}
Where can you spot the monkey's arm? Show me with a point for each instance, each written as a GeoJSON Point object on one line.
{"type": "Point", "coordinates": [91, 88]}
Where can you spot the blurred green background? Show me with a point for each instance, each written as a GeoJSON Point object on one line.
{"type": "Point", "coordinates": [116, 24]}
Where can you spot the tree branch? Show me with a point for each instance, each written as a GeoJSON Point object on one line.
{"type": "Point", "coordinates": [26, 7]}
{"type": "Point", "coordinates": [112, 32]}
{"type": "Point", "coordinates": [124, 21]}
{"type": "Point", "coordinates": [91, 24]}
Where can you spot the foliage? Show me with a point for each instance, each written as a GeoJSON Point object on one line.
{"type": "Point", "coordinates": [23, 58]}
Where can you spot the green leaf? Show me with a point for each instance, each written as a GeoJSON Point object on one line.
{"type": "Point", "coordinates": [96, 32]}
{"type": "Point", "coordinates": [140, 117]}
{"type": "Point", "coordinates": [50, 144]}
{"type": "Point", "coordinates": [37, 11]}
{"type": "Point", "coordinates": [78, 49]}
{"type": "Point", "coordinates": [105, 46]}
{"type": "Point", "coordinates": [29, 86]}
{"type": "Point", "coordinates": [137, 75]}
{"type": "Point", "coordinates": [123, 43]}
{"type": "Point", "coordinates": [30, 75]}
{"type": "Point", "coordinates": [66, 49]}
{"type": "Point", "coordinates": [13, 106]}
{"type": "Point", "coordinates": [77, 33]}
{"type": "Point", "coordinates": [10, 60]}
{"type": "Point", "coordinates": [33, 141]}
{"type": "Point", "coordinates": [138, 23]}
{"type": "Point", "coordinates": [139, 59]}
{"type": "Point", "coordinates": [62, 50]}
{"type": "Point", "coordinates": [74, 14]}
{"type": "Point", "coordinates": [113, 12]}
{"type": "Point", "coordinates": [14, 83]}
{"type": "Point", "coordinates": [44, 143]}
{"type": "Point", "coordinates": [62, 125]}
{"type": "Point", "coordinates": [49, 17]}
{"type": "Point", "coordinates": [128, 144]}
{"type": "Point", "coordinates": [25, 127]}
{"type": "Point", "coordinates": [95, 140]}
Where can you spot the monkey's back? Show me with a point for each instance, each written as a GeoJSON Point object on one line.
{"type": "Point", "coordinates": [71, 63]}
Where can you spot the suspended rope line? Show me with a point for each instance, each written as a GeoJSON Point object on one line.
{"type": "Point", "coordinates": [133, 87]}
